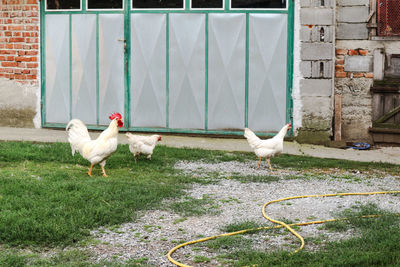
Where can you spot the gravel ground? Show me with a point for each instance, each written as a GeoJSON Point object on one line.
{"type": "Point", "coordinates": [158, 231]}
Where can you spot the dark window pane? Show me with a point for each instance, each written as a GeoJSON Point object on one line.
{"type": "Point", "coordinates": [258, 3]}
{"type": "Point", "coordinates": [207, 4]}
{"type": "Point", "coordinates": [157, 3]}
{"type": "Point", "coordinates": [63, 4]}
{"type": "Point", "coordinates": [105, 4]}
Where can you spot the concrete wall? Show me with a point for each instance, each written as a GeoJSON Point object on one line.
{"type": "Point", "coordinates": [19, 104]}
{"type": "Point", "coordinates": [313, 104]}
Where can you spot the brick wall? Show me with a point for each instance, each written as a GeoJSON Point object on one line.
{"type": "Point", "coordinates": [19, 40]}
{"type": "Point", "coordinates": [362, 58]}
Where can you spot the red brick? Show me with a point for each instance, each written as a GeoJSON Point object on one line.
{"type": "Point", "coordinates": [340, 74]}
{"type": "Point", "coordinates": [31, 40]}
{"type": "Point", "coordinates": [363, 52]}
{"type": "Point", "coordinates": [8, 64]}
{"type": "Point", "coordinates": [369, 75]}
{"type": "Point", "coordinates": [31, 52]}
{"type": "Point", "coordinates": [341, 51]}
{"type": "Point", "coordinates": [19, 76]}
{"type": "Point", "coordinates": [7, 33]}
{"type": "Point", "coordinates": [31, 77]}
{"type": "Point", "coordinates": [16, 27]}
{"type": "Point", "coordinates": [352, 52]}
{"type": "Point", "coordinates": [355, 75]}
{"type": "Point", "coordinates": [339, 68]}
{"type": "Point", "coordinates": [17, 39]}
{"type": "Point", "coordinates": [9, 46]}
{"type": "Point", "coordinates": [340, 61]}
{"type": "Point", "coordinates": [8, 52]}
{"type": "Point", "coordinates": [10, 58]}
{"type": "Point", "coordinates": [32, 65]}
{"type": "Point", "coordinates": [22, 59]}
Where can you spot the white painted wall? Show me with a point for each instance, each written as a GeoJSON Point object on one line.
{"type": "Point", "coordinates": [297, 102]}
{"type": "Point", "coordinates": [20, 96]}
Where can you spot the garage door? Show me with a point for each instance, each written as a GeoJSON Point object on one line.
{"type": "Point", "coordinates": [169, 66]}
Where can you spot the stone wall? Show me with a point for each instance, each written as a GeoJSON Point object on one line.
{"type": "Point", "coordinates": [354, 69]}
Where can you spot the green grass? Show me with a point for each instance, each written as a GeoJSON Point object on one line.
{"type": "Point", "coordinates": [65, 258]}
{"type": "Point", "coordinates": [195, 207]}
{"type": "Point", "coordinates": [376, 244]}
{"type": "Point", "coordinates": [47, 200]}
{"type": "Point", "coordinates": [235, 227]}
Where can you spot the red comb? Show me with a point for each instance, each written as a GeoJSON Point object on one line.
{"type": "Point", "coordinates": [115, 115]}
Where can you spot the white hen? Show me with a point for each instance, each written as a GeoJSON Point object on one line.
{"type": "Point", "coordinates": [266, 148]}
{"type": "Point", "coordinates": [139, 144]}
{"type": "Point", "coordinates": [98, 150]}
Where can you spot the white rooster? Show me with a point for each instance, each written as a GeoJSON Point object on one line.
{"type": "Point", "coordinates": [96, 151]}
{"type": "Point", "coordinates": [139, 144]}
{"type": "Point", "coordinates": [266, 148]}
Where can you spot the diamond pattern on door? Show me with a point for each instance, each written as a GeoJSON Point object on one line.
{"type": "Point", "coordinates": [111, 66]}
{"type": "Point", "coordinates": [83, 39]}
{"type": "Point", "coordinates": [267, 71]}
{"type": "Point", "coordinates": [148, 79]}
{"type": "Point", "coordinates": [187, 71]}
{"type": "Point", "coordinates": [227, 71]}
{"type": "Point", "coordinates": [57, 68]}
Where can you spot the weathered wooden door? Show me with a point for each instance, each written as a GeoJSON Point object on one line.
{"type": "Point", "coordinates": [386, 112]}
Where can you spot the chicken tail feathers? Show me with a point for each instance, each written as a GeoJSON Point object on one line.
{"type": "Point", "coordinates": [252, 139]}
{"type": "Point", "coordinates": [78, 135]}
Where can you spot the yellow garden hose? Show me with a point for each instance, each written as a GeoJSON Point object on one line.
{"type": "Point", "coordinates": [281, 224]}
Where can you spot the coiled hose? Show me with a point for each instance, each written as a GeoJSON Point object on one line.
{"type": "Point", "coordinates": [280, 223]}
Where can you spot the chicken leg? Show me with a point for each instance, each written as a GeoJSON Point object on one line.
{"type": "Point", "coordinates": [259, 162]}
{"type": "Point", "coordinates": [90, 170]}
{"type": "Point", "coordinates": [103, 171]}
{"type": "Point", "coordinates": [269, 163]}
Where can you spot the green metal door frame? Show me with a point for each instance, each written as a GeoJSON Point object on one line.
{"type": "Point", "coordinates": [127, 11]}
